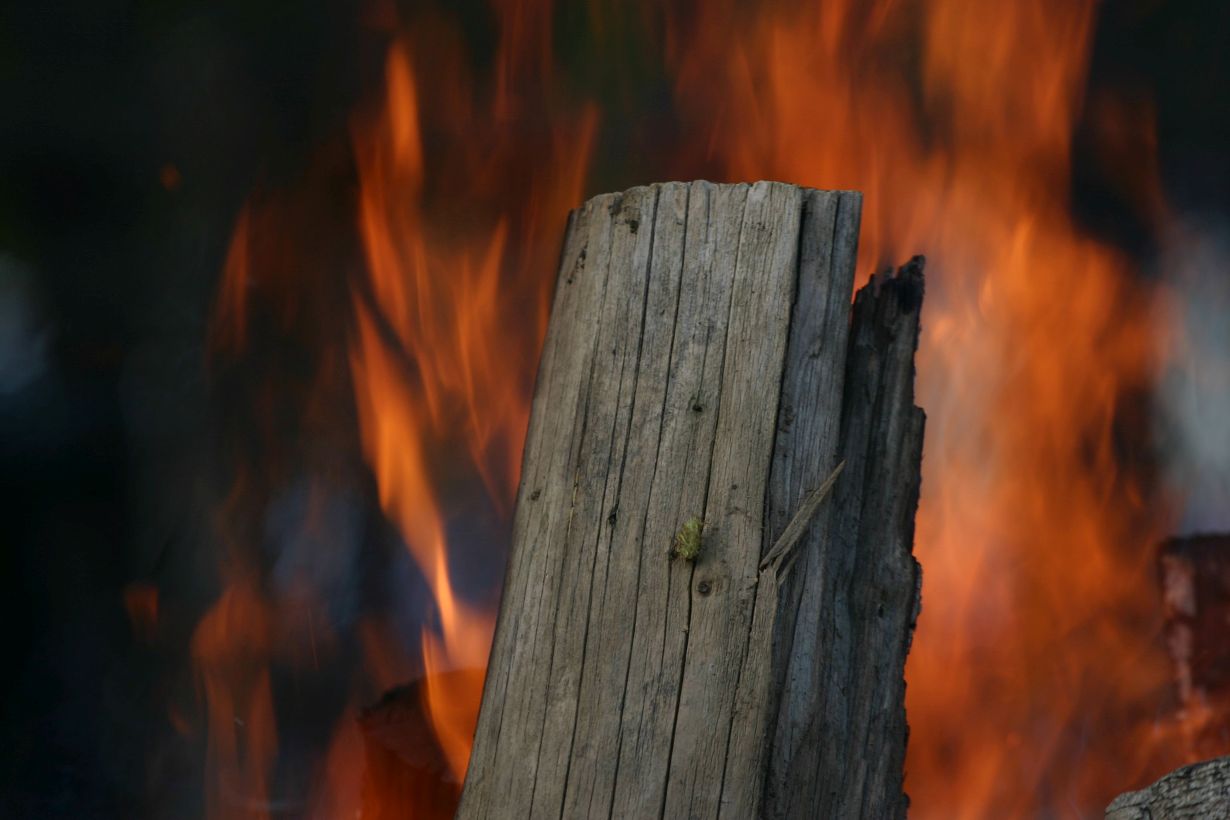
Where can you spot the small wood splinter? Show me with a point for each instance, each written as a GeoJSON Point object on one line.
{"type": "Point", "coordinates": [781, 556]}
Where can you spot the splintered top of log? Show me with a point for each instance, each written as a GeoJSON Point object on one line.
{"type": "Point", "coordinates": [700, 376]}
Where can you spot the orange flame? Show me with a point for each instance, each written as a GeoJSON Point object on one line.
{"type": "Point", "coordinates": [231, 648]}
{"type": "Point", "coordinates": [1034, 675]}
{"type": "Point", "coordinates": [440, 350]}
{"type": "Point", "coordinates": [443, 347]}
{"type": "Point", "coordinates": [1033, 672]}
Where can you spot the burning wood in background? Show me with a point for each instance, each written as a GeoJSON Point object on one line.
{"type": "Point", "coordinates": [404, 768]}
{"type": "Point", "coordinates": [1195, 580]}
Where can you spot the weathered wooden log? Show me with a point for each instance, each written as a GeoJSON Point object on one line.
{"type": "Point", "coordinates": [702, 376]}
{"type": "Point", "coordinates": [1197, 792]}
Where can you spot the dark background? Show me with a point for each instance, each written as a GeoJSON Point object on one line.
{"type": "Point", "coordinates": [130, 135]}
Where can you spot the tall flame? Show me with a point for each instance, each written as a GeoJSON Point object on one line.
{"type": "Point", "coordinates": [1032, 672]}
{"type": "Point", "coordinates": [1034, 675]}
{"type": "Point", "coordinates": [446, 337]}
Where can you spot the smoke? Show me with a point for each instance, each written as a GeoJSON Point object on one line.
{"type": "Point", "coordinates": [1194, 382]}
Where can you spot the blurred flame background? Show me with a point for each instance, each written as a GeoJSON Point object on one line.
{"type": "Point", "coordinates": [343, 465]}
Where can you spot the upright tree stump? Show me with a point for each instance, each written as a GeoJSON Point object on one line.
{"type": "Point", "coordinates": [702, 363]}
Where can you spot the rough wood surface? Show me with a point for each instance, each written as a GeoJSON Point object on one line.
{"type": "Point", "coordinates": [1197, 792]}
{"type": "Point", "coordinates": [839, 741]}
{"type": "Point", "coordinates": [700, 362]}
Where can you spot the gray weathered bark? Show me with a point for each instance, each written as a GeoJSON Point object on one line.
{"type": "Point", "coordinates": [1197, 792]}
{"type": "Point", "coordinates": [701, 362]}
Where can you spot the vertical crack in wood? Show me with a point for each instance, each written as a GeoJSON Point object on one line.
{"type": "Point", "coordinates": [713, 706]}
{"type": "Point", "coordinates": [719, 391]}
{"type": "Point", "coordinates": [609, 532]}
{"type": "Point", "coordinates": [625, 321]}
{"type": "Point", "coordinates": [644, 524]}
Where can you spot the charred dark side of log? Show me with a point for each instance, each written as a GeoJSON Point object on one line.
{"type": "Point", "coordinates": [847, 618]}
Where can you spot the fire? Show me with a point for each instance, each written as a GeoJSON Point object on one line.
{"type": "Point", "coordinates": [231, 647]}
{"type": "Point", "coordinates": [445, 315]}
{"type": "Point", "coordinates": [445, 382]}
{"type": "Point", "coordinates": [1034, 676]}
{"type": "Point", "coordinates": [1033, 672]}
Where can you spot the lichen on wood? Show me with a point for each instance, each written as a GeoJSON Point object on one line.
{"type": "Point", "coordinates": [688, 540]}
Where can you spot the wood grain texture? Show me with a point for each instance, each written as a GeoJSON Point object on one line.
{"type": "Point", "coordinates": [699, 362]}
{"type": "Point", "coordinates": [839, 744]}
{"type": "Point", "coordinates": [1197, 792]}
